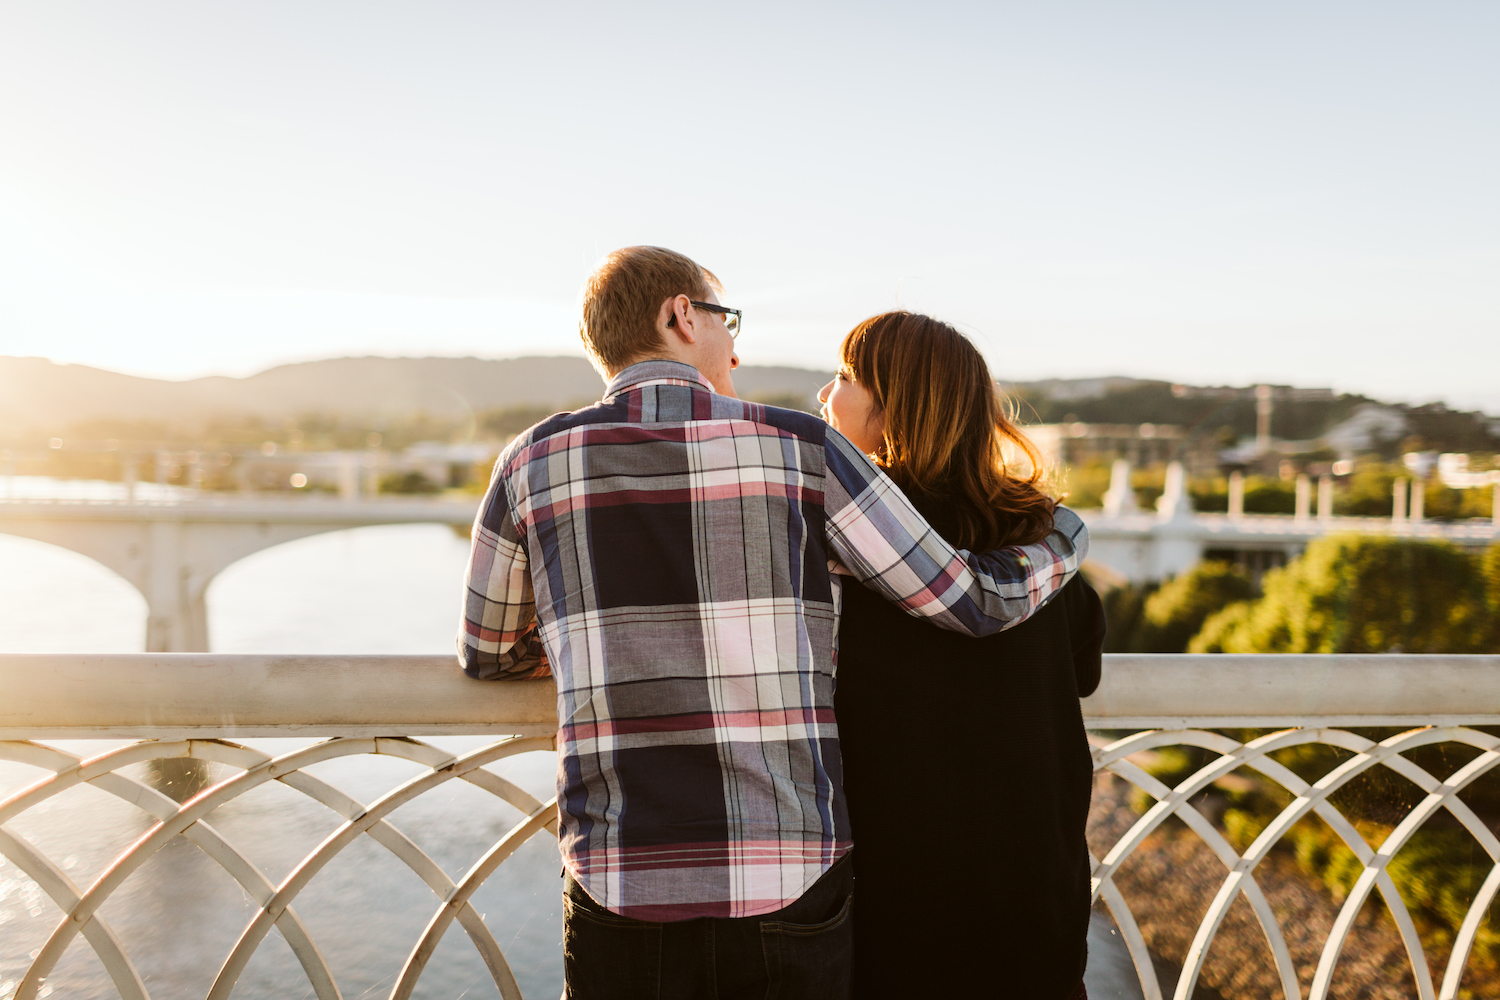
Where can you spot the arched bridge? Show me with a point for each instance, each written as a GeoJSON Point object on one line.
{"type": "Point", "coordinates": [171, 551]}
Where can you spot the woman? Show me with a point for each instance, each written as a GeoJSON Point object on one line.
{"type": "Point", "coordinates": [965, 763]}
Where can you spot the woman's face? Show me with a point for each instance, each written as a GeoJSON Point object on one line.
{"type": "Point", "coordinates": [850, 409]}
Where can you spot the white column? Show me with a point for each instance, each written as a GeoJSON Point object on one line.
{"type": "Point", "coordinates": [1175, 502]}
{"type": "Point", "coordinates": [1176, 545]}
{"type": "Point", "coordinates": [1304, 497]}
{"type": "Point", "coordinates": [349, 471]}
{"type": "Point", "coordinates": [1418, 496]}
{"type": "Point", "coordinates": [1398, 502]}
{"type": "Point", "coordinates": [1495, 505]}
{"type": "Point", "coordinates": [1325, 498]}
{"type": "Point", "coordinates": [1120, 499]}
{"type": "Point", "coordinates": [371, 469]}
{"type": "Point", "coordinates": [1262, 419]}
{"type": "Point", "coordinates": [1236, 494]}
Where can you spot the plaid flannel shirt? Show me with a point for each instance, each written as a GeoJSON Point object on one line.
{"type": "Point", "coordinates": [672, 556]}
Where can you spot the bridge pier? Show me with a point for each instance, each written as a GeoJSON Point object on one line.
{"type": "Point", "coordinates": [176, 613]}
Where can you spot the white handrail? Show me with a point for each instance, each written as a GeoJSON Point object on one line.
{"type": "Point", "coordinates": [1216, 690]}
{"type": "Point", "coordinates": [193, 705]}
{"type": "Point", "coordinates": [182, 695]}
{"type": "Point", "coordinates": [233, 696]}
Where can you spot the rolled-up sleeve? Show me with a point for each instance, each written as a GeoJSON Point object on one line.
{"type": "Point", "coordinates": [876, 536]}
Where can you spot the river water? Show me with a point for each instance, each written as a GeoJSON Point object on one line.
{"type": "Point", "coordinates": [388, 589]}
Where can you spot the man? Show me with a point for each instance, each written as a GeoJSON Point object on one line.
{"type": "Point", "coordinates": [672, 555]}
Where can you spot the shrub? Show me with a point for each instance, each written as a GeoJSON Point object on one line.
{"type": "Point", "coordinates": [1270, 496]}
{"type": "Point", "coordinates": [1368, 493]}
{"type": "Point", "coordinates": [1176, 612]}
{"type": "Point", "coordinates": [1490, 570]}
{"type": "Point", "coordinates": [1218, 627]}
{"type": "Point", "coordinates": [1359, 594]}
{"type": "Point", "coordinates": [1124, 607]}
{"type": "Point", "coordinates": [1210, 495]}
{"type": "Point", "coordinates": [1444, 504]}
{"type": "Point", "coordinates": [509, 421]}
{"type": "Point", "coordinates": [407, 482]}
{"type": "Point", "coordinates": [1085, 485]}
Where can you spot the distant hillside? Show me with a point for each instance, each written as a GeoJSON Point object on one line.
{"type": "Point", "coordinates": [1229, 412]}
{"type": "Point", "coordinates": [39, 399]}
{"type": "Point", "coordinates": [38, 396]}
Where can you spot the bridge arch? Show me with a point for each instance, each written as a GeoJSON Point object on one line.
{"type": "Point", "coordinates": [171, 553]}
{"type": "Point", "coordinates": [57, 600]}
{"type": "Point", "coordinates": [375, 589]}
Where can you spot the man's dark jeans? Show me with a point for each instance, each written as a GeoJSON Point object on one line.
{"type": "Point", "coordinates": [800, 951]}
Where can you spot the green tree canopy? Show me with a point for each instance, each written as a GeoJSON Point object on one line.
{"type": "Point", "coordinates": [1176, 612]}
{"type": "Point", "coordinates": [1490, 567]}
{"type": "Point", "coordinates": [1361, 594]}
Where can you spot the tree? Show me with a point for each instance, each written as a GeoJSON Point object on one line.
{"type": "Point", "coordinates": [1490, 568]}
{"type": "Point", "coordinates": [1176, 612]}
{"type": "Point", "coordinates": [407, 482]}
{"type": "Point", "coordinates": [1124, 608]}
{"type": "Point", "coordinates": [1361, 594]}
{"type": "Point", "coordinates": [1368, 492]}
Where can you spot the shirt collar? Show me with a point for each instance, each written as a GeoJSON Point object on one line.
{"type": "Point", "coordinates": [654, 372]}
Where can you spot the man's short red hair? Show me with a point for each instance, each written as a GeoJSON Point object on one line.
{"type": "Point", "coordinates": [623, 297]}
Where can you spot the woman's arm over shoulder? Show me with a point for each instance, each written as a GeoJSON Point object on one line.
{"type": "Point", "coordinates": [877, 536]}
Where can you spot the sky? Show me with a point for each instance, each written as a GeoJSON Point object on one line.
{"type": "Point", "coordinates": [1208, 193]}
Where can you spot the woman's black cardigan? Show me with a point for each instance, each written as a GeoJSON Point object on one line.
{"type": "Point", "coordinates": [968, 778]}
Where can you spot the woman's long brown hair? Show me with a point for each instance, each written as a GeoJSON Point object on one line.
{"type": "Point", "coordinates": [946, 431]}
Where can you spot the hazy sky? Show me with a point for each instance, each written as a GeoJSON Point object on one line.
{"type": "Point", "coordinates": [1302, 193]}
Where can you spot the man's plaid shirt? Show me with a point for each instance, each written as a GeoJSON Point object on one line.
{"type": "Point", "coordinates": [672, 556]}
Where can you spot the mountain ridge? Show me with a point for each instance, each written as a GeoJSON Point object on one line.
{"type": "Point", "coordinates": [41, 398]}
{"type": "Point", "coordinates": [40, 395]}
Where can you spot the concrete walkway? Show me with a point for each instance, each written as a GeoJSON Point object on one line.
{"type": "Point", "coordinates": [1110, 975]}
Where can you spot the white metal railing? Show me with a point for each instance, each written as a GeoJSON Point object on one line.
{"type": "Point", "coordinates": [195, 706]}
{"type": "Point", "coordinates": [1177, 700]}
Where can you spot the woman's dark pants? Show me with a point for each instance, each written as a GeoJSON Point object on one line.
{"type": "Point", "coordinates": [800, 951]}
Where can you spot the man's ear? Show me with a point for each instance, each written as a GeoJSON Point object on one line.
{"type": "Point", "coordinates": [673, 322]}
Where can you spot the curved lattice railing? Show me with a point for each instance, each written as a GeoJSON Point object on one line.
{"type": "Point", "coordinates": [274, 902]}
{"type": "Point", "coordinates": [1241, 716]}
{"type": "Point", "coordinates": [1239, 869]}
